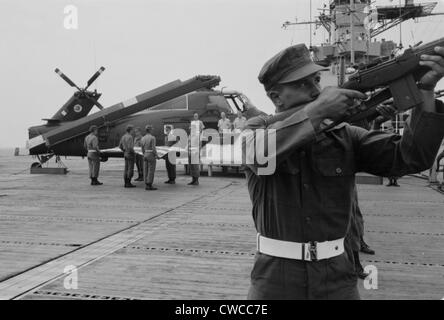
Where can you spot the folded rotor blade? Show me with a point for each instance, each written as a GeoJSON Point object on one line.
{"type": "Point", "coordinates": [94, 77]}
{"type": "Point", "coordinates": [68, 80]}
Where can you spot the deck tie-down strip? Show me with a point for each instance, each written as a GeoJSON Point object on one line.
{"type": "Point", "coordinates": [54, 269]}
{"type": "Point", "coordinates": [22, 284]}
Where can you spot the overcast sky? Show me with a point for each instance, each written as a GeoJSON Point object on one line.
{"type": "Point", "coordinates": [144, 44]}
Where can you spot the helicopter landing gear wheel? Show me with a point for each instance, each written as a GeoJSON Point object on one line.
{"type": "Point", "coordinates": [36, 165]}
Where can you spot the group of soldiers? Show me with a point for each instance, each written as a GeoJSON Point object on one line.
{"type": "Point", "coordinates": [238, 123]}
{"type": "Point", "coordinates": [145, 161]}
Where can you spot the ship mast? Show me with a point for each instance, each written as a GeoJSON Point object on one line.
{"type": "Point", "coordinates": [350, 38]}
{"type": "Point", "coordinates": [311, 33]}
{"type": "Point", "coordinates": [352, 51]}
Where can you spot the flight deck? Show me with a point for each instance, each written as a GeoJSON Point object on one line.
{"type": "Point", "coordinates": [184, 242]}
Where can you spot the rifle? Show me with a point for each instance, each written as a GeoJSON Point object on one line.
{"type": "Point", "coordinates": [394, 78]}
{"type": "Point", "coordinates": [384, 78]}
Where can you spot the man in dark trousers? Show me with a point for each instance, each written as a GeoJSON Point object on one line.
{"type": "Point", "coordinates": [127, 146]}
{"type": "Point", "coordinates": [170, 167]}
{"type": "Point", "coordinates": [91, 144]}
{"type": "Point", "coordinates": [302, 209]}
{"type": "Point", "coordinates": [139, 158]}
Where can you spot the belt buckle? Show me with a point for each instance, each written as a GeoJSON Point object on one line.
{"type": "Point", "coordinates": [312, 248]}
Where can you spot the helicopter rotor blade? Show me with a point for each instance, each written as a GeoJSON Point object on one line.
{"type": "Point", "coordinates": [94, 77]}
{"type": "Point", "coordinates": [95, 102]}
{"type": "Point", "coordinates": [68, 80]}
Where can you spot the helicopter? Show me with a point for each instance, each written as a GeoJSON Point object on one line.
{"type": "Point", "coordinates": [172, 105]}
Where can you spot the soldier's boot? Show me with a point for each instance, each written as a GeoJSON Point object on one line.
{"type": "Point", "coordinates": [171, 181]}
{"type": "Point", "coordinates": [140, 177]}
{"type": "Point", "coordinates": [365, 248]}
{"type": "Point", "coordinates": [92, 182]}
{"type": "Point", "coordinates": [194, 182]}
{"type": "Point", "coordinates": [97, 182]}
{"type": "Point", "coordinates": [149, 186]}
{"type": "Point", "coordinates": [128, 184]}
{"type": "Point", "coordinates": [358, 266]}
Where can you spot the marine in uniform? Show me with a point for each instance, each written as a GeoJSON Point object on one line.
{"type": "Point", "coordinates": [240, 122]}
{"type": "Point", "coordinates": [302, 210]}
{"type": "Point", "coordinates": [224, 123]}
{"type": "Point", "coordinates": [91, 144]}
{"type": "Point", "coordinates": [139, 157]}
{"type": "Point", "coordinates": [171, 167]}
{"type": "Point", "coordinates": [127, 146]}
{"type": "Point", "coordinates": [149, 157]}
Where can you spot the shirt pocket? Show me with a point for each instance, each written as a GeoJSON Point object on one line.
{"type": "Point", "coordinates": [284, 187]}
{"type": "Point", "coordinates": [336, 177]}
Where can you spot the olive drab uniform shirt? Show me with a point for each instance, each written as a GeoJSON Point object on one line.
{"type": "Point", "coordinates": [224, 124]}
{"type": "Point", "coordinates": [127, 145]}
{"type": "Point", "coordinates": [310, 195]}
{"type": "Point", "coordinates": [91, 144]}
{"type": "Point", "coordinates": [148, 144]}
{"type": "Point", "coordinates": [239, 123]}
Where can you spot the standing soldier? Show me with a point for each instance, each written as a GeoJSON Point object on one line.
{"type": "Point", "coordinates": [127, 146]}
{"type": "Point", "coordinates": [149, 157]}
{"type": "Point", "coordinates": [302, 209]}
{"type": "Point", "coordinates": [139, 157]}
{"type": "Point", "coordinates": [197, 124]}
{"type": "Point", "coordinates": [171, 167]}
{"type": "Point", "coordinates": [224, 123]}
{"type": "Point", "coordinates": [91, 144]}
{"type": "Point", "coordinates": [240, 122]}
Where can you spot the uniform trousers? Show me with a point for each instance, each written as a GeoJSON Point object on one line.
{"type": "Point", "coordinates": [94, 164]}
{"type": "Point", "coordinates": [129, 166]}
{"type": "Point", "coordinates": [149, 166]}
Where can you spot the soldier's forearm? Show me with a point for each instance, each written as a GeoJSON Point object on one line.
{"type": "Point", "coordinates": [429, 101]}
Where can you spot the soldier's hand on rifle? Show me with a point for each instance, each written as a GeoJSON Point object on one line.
{"type": "Point", "coordinates": [436, 63]}
{"type": "Point", "coordinates": [386, 111]}
{"type": "Point", "coordinates": [333, 103]}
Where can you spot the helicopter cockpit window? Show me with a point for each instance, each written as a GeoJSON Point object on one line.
{"type": "Point", "coordinates": [232, 104]}
{"type": "Point", "coordinates": [237, 102]}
